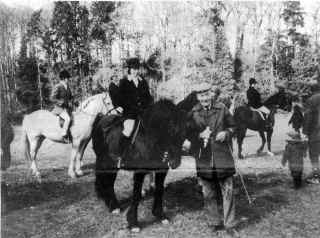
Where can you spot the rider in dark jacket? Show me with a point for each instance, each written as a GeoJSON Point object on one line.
{"type": "Point", "coordinates": [134, 98]}
{"type": "Point", "coordinates": [62, 99]}
{"type": "Point", "coordinates": [254, 98]}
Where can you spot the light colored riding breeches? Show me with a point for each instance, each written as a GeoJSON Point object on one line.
{"type": "Point", "coordinates": [264, 110]}
{"type": "Point", "coordinates": [65, 116]}
{"type": "Point", "coordinates": [128, 126]}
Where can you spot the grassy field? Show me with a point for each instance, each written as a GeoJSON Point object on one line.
{"type": "Point", "coordinates": [62, 207]}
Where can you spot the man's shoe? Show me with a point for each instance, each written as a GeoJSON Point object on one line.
{"type": "Point", "coordinates": [313, 180]}
{"type": "Point", "coordinates": [218, 227]}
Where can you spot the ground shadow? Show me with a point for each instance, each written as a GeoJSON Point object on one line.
{"type": "Point", "coordinates": [267, 189]}
{"type": "Point", "coordinates": [56, 188]}
{"type": "Point", "coordinates": [263, 154]}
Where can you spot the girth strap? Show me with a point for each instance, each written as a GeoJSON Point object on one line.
{"type": "Point", "coordinates": [135, 133]}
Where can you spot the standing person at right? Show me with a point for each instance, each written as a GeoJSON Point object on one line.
{"type": "Point", "coordinates": [311, 128]}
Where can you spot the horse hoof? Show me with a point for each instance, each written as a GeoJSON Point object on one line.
{"type": "Point", "coordinates": [165, 222]}
{"type": "Point", "coordinates": [116, 211]}
{"type": "Point", "coordinates": [72, 175]}
{"type": "Point", "coordinates": [79, 173]}
{"type": "Point", "coordinates": [38, 178]}
{"type": "Point", "coordinates": [135, 229]}
{"type": "Point", "coordinates": [270, 153]}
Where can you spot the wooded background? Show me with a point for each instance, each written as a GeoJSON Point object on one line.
{"type": "Point", "coordinates": [183, 43]}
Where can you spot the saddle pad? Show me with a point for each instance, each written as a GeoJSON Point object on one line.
{"type": "Point", "coordinates": [111, 121]}
{"type": "Point", "coordinates": [260, 113]}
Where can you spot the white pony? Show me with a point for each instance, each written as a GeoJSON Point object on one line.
{"type": "Point", "coordinates": [43, 124]}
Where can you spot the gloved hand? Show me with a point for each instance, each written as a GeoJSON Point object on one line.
{"type": "Point", "coordinates": [222, 136]}
{"type": "Point", "coordinates": [205, 134]}
{"type": "Point", "coordinates": [304, 137]}
{"type": "Point", "coordinates": [119, 109]}
{"type": "Point", "coordinates": [186, 145]}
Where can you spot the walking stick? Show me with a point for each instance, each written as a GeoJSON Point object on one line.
{"type": "Point", "coordinates": [250, 200]}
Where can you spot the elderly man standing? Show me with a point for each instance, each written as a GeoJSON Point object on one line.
{"type": "Point", "coordinates": [311, 128]}
{"type": "Point", "coordinates": [215, 164]}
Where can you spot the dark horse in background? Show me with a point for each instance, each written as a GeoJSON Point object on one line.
{"type": "Point", "coordinates": [7, 136]}
{"type": "Point", "coordinates": [246, 118]}
{"type": "Point", "coordinates": [156, 147]}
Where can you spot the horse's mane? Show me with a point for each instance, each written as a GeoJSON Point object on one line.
{"type": "Point", "coordinates": [87, 101]}
{"type": "Point", "coordinates": [157, 118]}
{"type": "Point", "coordinates": [273, 99]}
{"type": "Point", "coordinates": [189, 102]}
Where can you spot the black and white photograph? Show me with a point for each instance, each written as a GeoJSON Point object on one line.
{"type": "Point", "coordinates": [160, 119]}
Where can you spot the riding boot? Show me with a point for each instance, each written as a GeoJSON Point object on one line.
{"type": "Point", "coordinates": [124, 143]}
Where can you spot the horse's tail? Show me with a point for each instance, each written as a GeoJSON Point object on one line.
{"type": "Point", "coordinates": [26, 141]}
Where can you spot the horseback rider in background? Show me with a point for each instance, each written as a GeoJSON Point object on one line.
{"type": "Point", "coordinates": [134, 98]}
{"type": "Point", "coordinates": [254, 100]}
{"type": "Point", "coordinates": [62, 99]}
{"type": "Point", "coordinates": [311, 129]}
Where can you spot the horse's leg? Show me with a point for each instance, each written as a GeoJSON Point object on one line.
{"type": "Point", "coordinates": [35, 144]}
{"type": "Point", "coordinates": [263, 138]}
{"type": "Point", "coordinates": [157, 209]}
{"type": "Point", "coordinates": [5, 157]}
{"type": "Point", "coordinates": [83, 146]}
{"type": "Point", "coordinates": [132, 215]}
{"type": "Point", "coordinates": [149, 184]}
{"type": "Point", "coordinates": [269, 136]}
{"type": "Point", "coordinates": [241, 133]}
{"type": "Point", "coordinates": [74, 152]}
{"type": "Point", "coordinates": [104, 185]}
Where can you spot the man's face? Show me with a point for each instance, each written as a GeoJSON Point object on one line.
{"type": "Point", "coordinates": [134, 72]}
{"type": "Point", "coordinates": [254, 85]}
{"type": "Point", "coordinates": [204, 98]}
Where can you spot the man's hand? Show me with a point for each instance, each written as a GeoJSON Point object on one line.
{"type": "Point", "coordinates": [205, 134]}
{"type": "Point", "coordinates": [304, 137]}
{"type": "Point", "coordinates": [221, 136]}
{"type": "Point", "coordinates": [119, 109]}
{"type": "Point", "coordinates": [186, 145]}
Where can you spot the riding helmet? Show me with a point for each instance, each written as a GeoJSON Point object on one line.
{"type": "Point", "coordinates": [133, 63]}
{"type": "Point", "coordinates": [252, 81]}
{"type": "Point", "coordinates": [64, 74]}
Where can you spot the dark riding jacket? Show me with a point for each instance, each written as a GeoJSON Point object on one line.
{"type": "Point", "coordinates": [254, 98]}
{"type": "Point", "coordinates": [220, 162]}
{"type": "Point", "coordinates": [311, 124]}
{"type": "Point", "coordinates": [134, 99]}
{"type": "Point", "coordinates": [61, 97]}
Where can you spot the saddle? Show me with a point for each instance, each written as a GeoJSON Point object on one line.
{"type": "Point", "coordinates": [263, 115]}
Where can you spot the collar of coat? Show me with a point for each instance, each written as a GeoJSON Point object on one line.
{"type": "Point", "coordinates": [63, 84]}
{"type": "Point", "coordinates": [214, 105]}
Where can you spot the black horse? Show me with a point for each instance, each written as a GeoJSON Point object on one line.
{"type": "Point", "coordinates": [156, 147]}
{"type": "Point", "coordinates": [247, 118]}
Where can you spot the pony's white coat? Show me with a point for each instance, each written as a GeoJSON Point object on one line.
{"type": "Point", "coordinates": [43, 124]}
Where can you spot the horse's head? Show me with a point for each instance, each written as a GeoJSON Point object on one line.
{"type": "Point", "coordinates": [100, 103]}
{"type": "Point", "coordinates": [165, 124]}
{"type": "Point", "coordinates": [281, 100]}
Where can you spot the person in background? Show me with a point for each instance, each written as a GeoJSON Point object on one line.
{"type": "Point", "coordinates": [62, 99]}
{"type": "Point", "coordinates": [311, 129]}
{"type": "Point", "coordinates": [254, 100]}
